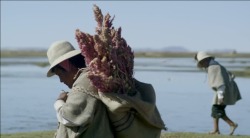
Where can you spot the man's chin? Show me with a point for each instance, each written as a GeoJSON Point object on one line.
{"type": "Point", "coordinates": [69, 86]}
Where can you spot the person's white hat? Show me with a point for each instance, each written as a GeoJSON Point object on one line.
{"type": "Point", "coordinates": [202, 55]}
{"type": "Point", "coordinates": [58, 52]}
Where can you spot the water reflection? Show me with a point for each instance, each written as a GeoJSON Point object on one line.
{"type": "Point", "coordinates": [183, 98]}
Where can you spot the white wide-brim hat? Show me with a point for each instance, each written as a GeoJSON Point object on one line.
{"type": "Point", "coordinates": [202, 55]}
{"type": "Point", "coordinates": [58, 52]}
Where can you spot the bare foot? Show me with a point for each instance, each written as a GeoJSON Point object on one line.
{"type": "Point", "coordinates": [232, 129]}
{"type": "Point", "coordinates": [214, 132]}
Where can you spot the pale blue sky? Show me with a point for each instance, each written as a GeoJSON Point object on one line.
{"type": "Point", "coordinates": [195, 25]}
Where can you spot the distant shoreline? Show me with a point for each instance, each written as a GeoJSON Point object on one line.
{"type": "Point", "coordinates": [22, 53]}
{"type": "Point", "coordinates": [43, 53]}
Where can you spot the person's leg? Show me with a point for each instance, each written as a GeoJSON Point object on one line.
{"type": "Point", "coordinates": [215, 120]}
{"type": "Point", "coordinates": [232, 125]}
{"type": "Point", "coordinates": [216, 126]}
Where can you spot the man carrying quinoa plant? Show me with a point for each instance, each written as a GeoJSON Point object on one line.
{"type": "Point", "coordinates": [225, 89]}
{"type": "Point", "coordinates": [79, 114]}
{"type": "Point", "coordinates": [131, 104]}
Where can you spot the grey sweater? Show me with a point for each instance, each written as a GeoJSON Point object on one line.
{"type": "Point", "coordinates": [218, 76]}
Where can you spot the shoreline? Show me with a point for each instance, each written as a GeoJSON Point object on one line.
{"type": "Point", "coordinates": [42, 54]}
{"type": "Point", "coordinates": [155, 54]}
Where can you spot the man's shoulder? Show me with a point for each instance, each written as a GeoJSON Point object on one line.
{"type": "Point", "coordinates": [214, 67]}
{"type": "Point", "coordinates": [82, 78]}
{"type": "Point", "coordinates": [84, 85]}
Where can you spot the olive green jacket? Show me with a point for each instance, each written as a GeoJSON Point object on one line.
{"type": "Point", "coordinates": [134, 116]}
{"type": "Point", "coordinates": [218, 76]}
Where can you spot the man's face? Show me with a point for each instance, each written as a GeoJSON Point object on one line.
{"type": "Point", "coordinates": [64, 76]}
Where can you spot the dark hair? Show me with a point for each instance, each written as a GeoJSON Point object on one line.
{"type": "Point", "coordinates": [207, 60]}
{"type": "Point", "coordinates": [195, 57]}
{"type": "Point", "coordinates": [78, 61]}
{"type": "Point", "coordinates": [58, 67]}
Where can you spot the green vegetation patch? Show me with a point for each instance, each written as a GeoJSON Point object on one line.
{"type": "Point", "coordinates": [189, 55]}
{"type": "Point", "coordinates": [23, 53]}
{"type": "Point", "coordinates": [245, 73]}
{"type": "Point", "coordinates": [42, 134]}
{"type": "Point", "coordinates": [42, 53]}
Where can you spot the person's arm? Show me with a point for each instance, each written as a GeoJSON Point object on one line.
{"type": "Point", "coordinates": [220, 93]}
{"type": "Point", "coordinates": [58, 105]}
{"type": "Point", "coordinates": [78, 109]}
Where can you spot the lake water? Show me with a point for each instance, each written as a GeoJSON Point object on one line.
{"type": "Point", "coordinates": [183, 96]}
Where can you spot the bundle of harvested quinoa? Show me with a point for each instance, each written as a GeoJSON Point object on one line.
{"type": "Point", "coordinates": [108, 56]}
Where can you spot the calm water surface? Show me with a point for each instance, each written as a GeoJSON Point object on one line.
{"type": "Point", "coordinates": [183, 98]}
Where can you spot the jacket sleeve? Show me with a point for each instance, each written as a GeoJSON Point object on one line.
{"type": "Point", "coordinates": [220, 92]}
{"type": "Point", "coordinates": [79, 108]}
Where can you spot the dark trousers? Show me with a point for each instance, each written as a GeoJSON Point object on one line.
{"type": "Point", "coordinates": [218, 111]}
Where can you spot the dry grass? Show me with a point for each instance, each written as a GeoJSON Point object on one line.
{"type": "Point", "coordinates": [50, 134]}
{"type": "Point", "coordinates": [198, 135]}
